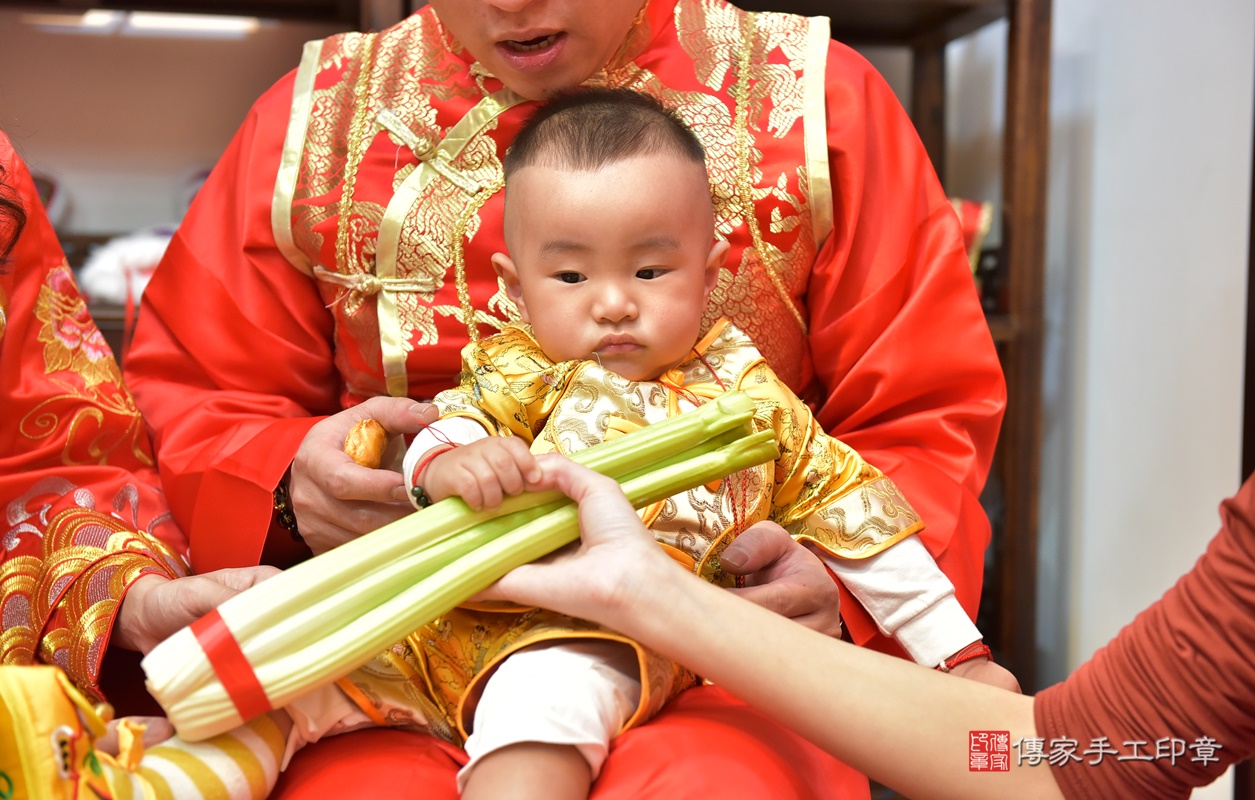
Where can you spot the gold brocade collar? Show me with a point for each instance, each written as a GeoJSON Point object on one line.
{"type": "Point", "coordinates": [695, 376]}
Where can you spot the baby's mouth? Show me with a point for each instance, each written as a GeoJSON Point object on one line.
{"type": "Point", "coordinates": [531, 45]}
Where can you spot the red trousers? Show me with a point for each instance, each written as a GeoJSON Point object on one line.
{"type": "Point", "coordinates": [704, 744]}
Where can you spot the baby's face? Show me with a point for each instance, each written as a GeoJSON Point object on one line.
{"type": "Point", "coordinates": [615, 264]}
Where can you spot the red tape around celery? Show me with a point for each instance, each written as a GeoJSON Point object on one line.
{"type": "Point", "coordinates": [231, 665]}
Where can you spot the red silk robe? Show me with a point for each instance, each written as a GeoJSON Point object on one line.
{"type": "Point", "coordinates": [272, 307]}
{"type": "Point", "coordinates": [83, 519]}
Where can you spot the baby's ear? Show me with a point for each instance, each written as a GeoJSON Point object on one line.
{"type": "Point", "coordinates": [510, 279]}
{"type": "Point", "coordinates": [714, 262]}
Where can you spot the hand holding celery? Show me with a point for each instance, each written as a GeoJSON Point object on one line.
{"type": "Point", "coordinates": [321, 619]}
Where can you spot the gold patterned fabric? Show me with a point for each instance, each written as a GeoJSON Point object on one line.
{"type": "Point", "coordinates": [72, 590]}
{"type": "Point", "coordinates": [822, 491]}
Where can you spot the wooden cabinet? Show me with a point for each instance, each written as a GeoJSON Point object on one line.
{"type": "Point", "coordinates": [1009, 606]}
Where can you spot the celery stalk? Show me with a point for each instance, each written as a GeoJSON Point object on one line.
{"type": "Point", "coordinates": [305, 584]}
{"type": "Point", "coordinates": [323, 618]}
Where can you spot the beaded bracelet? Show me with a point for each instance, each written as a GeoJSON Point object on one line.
{"type": "Point", "coordinates": [283, 511]}
{"type": "Point", "coordinates": [421, 500]}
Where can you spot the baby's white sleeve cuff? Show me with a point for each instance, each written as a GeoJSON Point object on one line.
{"type": "Point", "coordinates": [910, 599]}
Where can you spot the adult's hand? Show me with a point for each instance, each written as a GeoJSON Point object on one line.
{"type": "Point", "coordinates": [785, 577]}
{"type": "Point", "coordinates": [335, 499]}
{"type": "Point", "coordinates": [595, 578]}
{"type": "Point", "coordinates": [155, 607]}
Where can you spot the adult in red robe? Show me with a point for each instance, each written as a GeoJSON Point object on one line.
{"type": "Point", "coordinates": [338, 259]}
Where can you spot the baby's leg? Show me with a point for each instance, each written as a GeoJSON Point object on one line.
{"type": "Point", "coordinates": [530, 769]}
{"type": "Point", "coordinates": [544, 722]}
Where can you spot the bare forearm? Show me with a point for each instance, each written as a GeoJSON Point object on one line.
{"type": "Point", "coordinates": [905, 725]}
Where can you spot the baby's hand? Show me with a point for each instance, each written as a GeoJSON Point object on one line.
{"type": "Point", "coordinates": [988, 672]}
{"type": "Point", "coordinates": [481, 473]}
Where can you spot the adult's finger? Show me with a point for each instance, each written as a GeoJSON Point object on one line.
{"type": "Point", "coordinates": [589, 578]}
{"type": "Point", "coordinates": [604, 511]}
{"type": "Point", "coordinates": [785, 577]}
{"type": "Point", "coordinates": [155, 607]}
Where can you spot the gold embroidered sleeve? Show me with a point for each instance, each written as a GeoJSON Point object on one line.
{"type": "Point", "coordinates": [825, 492]}
{"type": "Point", "coordinates": [463, 401]}
{"type": "Point", "coordinates": [89, 562]}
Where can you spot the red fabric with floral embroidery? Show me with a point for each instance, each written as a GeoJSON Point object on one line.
{"type": "Point", "coordinates": [77, 481]}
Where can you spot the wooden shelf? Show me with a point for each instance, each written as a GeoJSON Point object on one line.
{"type": "Point", "coordinates": [893, 22]}
{"type": "Point", "coordinates": [346, 12]}
{"type": "Point", "coordinates": [1003, 328]}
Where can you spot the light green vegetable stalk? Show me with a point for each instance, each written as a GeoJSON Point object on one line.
{"type": "Point", "coordinates": [321, 619]}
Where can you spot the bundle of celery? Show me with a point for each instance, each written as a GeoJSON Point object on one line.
{"type": "Point", "coordinates": [320, 620]}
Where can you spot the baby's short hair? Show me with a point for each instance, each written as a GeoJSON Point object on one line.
{"type": "Point", "coordinates": [586, 129]}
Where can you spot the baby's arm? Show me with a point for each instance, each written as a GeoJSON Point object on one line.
{"type": "Point", "coordinates": [912, 600]}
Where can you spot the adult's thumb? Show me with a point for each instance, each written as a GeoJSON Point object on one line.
{"type": "Point", "coordinates": [757, 547]}
{"type": "Point", "coordinates": [398, 414]}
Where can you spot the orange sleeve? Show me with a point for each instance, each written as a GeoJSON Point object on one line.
{"type": "Point", "coordinates": [84, 517]}
{"type": "Point", "coordinates": [910, 374]}
{"type": "Point", "coordinates": [1178, 678]}
{"type": "Point", "coordinates": [230, 393]}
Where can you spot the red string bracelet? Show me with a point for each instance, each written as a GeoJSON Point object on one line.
{"type": "Point", "coordinates": [972, 652]}
{"type": "Point", "coordinates": [420, 497]}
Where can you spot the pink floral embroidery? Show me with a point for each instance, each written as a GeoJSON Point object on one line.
{"type": "Point", "coordinates": [78, 361]}
{"type": "Point", "coordinates": [71, 339]}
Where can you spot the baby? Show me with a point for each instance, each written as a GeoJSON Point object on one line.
{"type": "Point", "coordinates": [612, 258]}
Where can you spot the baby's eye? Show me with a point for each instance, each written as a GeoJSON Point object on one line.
{"type": "Point", "coordinates": [649, 273]}
{"type": "Point", "coordinates": [570, 277]}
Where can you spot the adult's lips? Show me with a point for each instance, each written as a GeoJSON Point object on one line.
{"type": "Point", "coordinates": [531, 50]}
{"type": "Point", "coordinates": [532, 43]}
